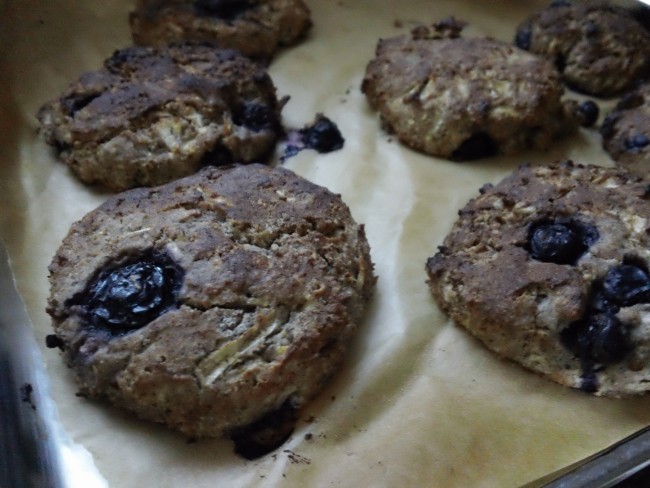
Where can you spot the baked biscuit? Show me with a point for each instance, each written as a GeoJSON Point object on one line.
{"type": "Point", "coordinates": [599, 49]}
{"type": "Point", "coordinates": [206, 303]}
{"type": "Point", "coordinates": [257, 28]}
{"type": "Point", "coordinates": [551, 268]}
{"type": "Point", "coordinates": [626, 132]}
{"type": "Point", "coordinates": [151, 115]}
{"type": "Point", "coordinates": [466, 98]}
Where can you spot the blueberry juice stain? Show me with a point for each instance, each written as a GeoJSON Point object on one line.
{"type": "Point", "coordinates": [322, 135]}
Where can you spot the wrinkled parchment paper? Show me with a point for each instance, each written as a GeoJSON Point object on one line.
{"type": "Point", "coordinates": [419, 402]}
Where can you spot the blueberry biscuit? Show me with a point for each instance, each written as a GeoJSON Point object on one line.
{"type": "Point", "coordinates": [208, 302]}
{"type": "Point", "coordinates": [626, 132]}
{"type": "Point", "coordinates": [151, 115]}
{"type": "Point", "coordinates": [467, 98]}
{"type": "Point", "coordinates": [257, 28]}
{"type": "Point", "coordinates": [600, 49]}
{"type": "Point", "coordinates": [551, 268]}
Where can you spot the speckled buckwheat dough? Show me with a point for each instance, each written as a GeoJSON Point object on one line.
{"type": "Point", "coordinates": [626, 132]}
{"type": "Point", "coordinates": [599, 48]}
{"type": "Point", "coordinates": [208, 302]}
{"type": "Point", "coordinates": [151, 115]}
{"type": "Point", "coordinates": [550, 268]}
{"type": "Point", "coordinates": [466, 98]}
{"type": "Point", "coordinates": [257, 28]}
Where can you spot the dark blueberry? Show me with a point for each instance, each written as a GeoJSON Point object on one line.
{"type": "Point", "coordinates": [588, 381]}
{"type": "Point", "coordinates": [224, 9]}
{"type": "Point", "coordinates": [599, 339]}
{"type": "Point", "coordinates": [77, 101]}
{"type": "Point", "coordinates": [589, 111]}
{"type": "Point", "coordinates": [323, 135]}
{"type": "Point", "coordinates": [53, 341]}
{"type": "Point", "coordinates": [591, 29]}
{"type": "Point", "coordinates": [560, 62]}
{"type": "Point", "coordinates": [560, 3]}
{"type": "Point", "coordinates": [524, 37]}
{"type": "Point", "coordinates": [256, 117]}
{"type": "Point", "coordinates": [627, 285]}
{"type": "Point", "coordinates": [636, 143]}
{"type": "Point", "coordinates": [266, 434]}
{"type": "Point", "coordinates": [219, 155]}
{"type": "Point", "coordinates": [560, 242]}
{"type": "Point", "coordinates": [607, 127]}
{"type": "Point", "coordinates": [599, 302]}
{"type": "Point", "coordinates": [478, 145]}
{"type": "Point", "coordinates": [132, 295]}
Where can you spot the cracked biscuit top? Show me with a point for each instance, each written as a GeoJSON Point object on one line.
{"type": "Point", "coordinates": [256, 28]}
{"type": "Point", "coordinates": [206, 303]}
{"type": "Point", "coordinates": [551, 268]}
{"type": "Point", "coordinates": [466, 98]}
{"type": "Point", "coordinates": [151, 115]}
{"type": "Point", "coordinates": [600, 49]}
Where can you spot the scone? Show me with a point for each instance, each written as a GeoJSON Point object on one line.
{"type": "Point", "coordinates": [467, 98]}
{"type": "Point", "coordinates": [600, 49]}
{"type": "Point", "coordinates": [151, 115]}
{"type": "Point", "coordinates": [207, 303]}
{"type": "Point", "coordinates": [551, 268]}
{"type": "Point", "coordinates": [257, 28]}
{"type": "Point", "coordinates": [626, 132]}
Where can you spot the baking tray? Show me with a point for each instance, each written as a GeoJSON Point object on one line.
{"type": "Point", "coordinates": [418, 402]}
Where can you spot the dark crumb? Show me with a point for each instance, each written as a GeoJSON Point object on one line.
{"type": "Point", "coordinates": [309, 436]}
{"type": "Point", "coordinates": [333, 398]}
{"type": "Point", "coordinates": [297, 458]}
{"type": "Point", "coordinates": [192, 440]}
{"type": "Point", "coordinates": [26, 395]}
{"type": "Point", "coordinates": [398, 24]}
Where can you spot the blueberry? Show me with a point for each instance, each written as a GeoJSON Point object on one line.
{"type": "Point", "coordinates": [256, 116]}
{"type": "Point", "coordinates": [560, 242]}
{"type": "Point", "coordinates": [591, 29]}
{"type": "Point", "coordinates": [627, 285]}
{"type": "Point", "coordinates": [599, 302]}
{"type": "Point", "coordinates": [589, 111]}
{"type": "Point", "coordinates": [323, 135]}
{"type": "Point", "coordinates": [132, 295]}
{"type": "Point", "coordinates": [560, 3]}
{"type": "Point", "coordinates": [224, 9]}
{"type": "Point", "coordinates": [524, 36]}
{"type": "Point", "coordinates": [478, 145]}
{"type": "Point", "coordinates": [636, 143]}
{"type": "Point", "coordinates": [599, 339]}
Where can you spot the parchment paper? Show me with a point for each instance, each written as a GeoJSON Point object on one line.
{"type": "Point", "coordinates": [419, 402]}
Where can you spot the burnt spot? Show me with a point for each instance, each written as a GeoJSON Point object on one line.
{"type": "Point", "coordinates": [222, 9]}
{"type": "Point", "coordinates": [77, 101]}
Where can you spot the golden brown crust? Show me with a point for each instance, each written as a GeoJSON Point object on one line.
{"type": "Point", "coordinates": [276, 276]}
